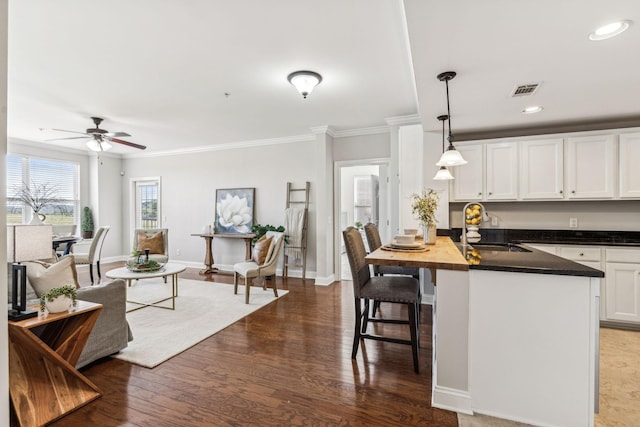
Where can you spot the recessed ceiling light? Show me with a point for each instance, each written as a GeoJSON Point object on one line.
{"type": "Point", "coordinates": [532, 110]}
{"type": "Point", "coordinates": [609, 30]}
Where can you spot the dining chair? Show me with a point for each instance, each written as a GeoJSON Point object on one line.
{"type": "Point", "coordinates": [94, 253]}
{"type": "Point", "coordinates": [374, 241]}
{"type": "Point", "coordinates": [251, 269]}
{"type": "Point", "coordinates": [395, 289]}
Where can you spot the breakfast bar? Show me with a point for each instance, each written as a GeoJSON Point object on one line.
{"type": "Point", "coordinates": [515, 331]}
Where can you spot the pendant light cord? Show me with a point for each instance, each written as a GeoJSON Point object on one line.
{"type": "Point", "coordinates": [451, 138]}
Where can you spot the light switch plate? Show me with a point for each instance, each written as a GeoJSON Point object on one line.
{"type": "Point", "coordinates": [573, 222]}
{"type": "Point", "coordinates": [494, 221]}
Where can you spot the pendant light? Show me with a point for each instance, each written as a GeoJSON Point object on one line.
{"type": "Point", "coordinates": [451, 157]}
{"type": "Point", "coordinates": [443, 173]}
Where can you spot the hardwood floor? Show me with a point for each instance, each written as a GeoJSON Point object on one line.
{"type": "Point", "coordinates": [286, 364]}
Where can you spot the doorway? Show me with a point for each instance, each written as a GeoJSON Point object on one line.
{"type": "Point", "coordinates": [362, 196]}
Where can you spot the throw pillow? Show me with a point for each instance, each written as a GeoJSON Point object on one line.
{"type": "Point", "coordinates": [155, 242]}
{"type": "Point", "coordinates": [44, 277]}
{"type": "Point", "coordinates": [260, 249]}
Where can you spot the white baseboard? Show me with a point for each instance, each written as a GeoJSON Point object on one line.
{"type": "Point", "coordinates": [451, 400]}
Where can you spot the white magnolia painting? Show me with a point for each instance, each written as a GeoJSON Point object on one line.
{"type": "Point", "coordinates": [234, 210]}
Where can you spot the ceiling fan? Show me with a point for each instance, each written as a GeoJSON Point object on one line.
{"type": "Point", "coordinates": [99, 138]}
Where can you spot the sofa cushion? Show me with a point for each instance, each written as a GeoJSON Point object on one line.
{"type": "Point", "coordinates": [260, 249]}
{"type": "Point", "coordinates": [44, 277]}
{"type": "Point", "coordinates": [155, 242]}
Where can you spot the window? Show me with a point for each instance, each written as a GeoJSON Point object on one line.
{"type": "Point", "coordinates": [62, 177]}
{"type": "Point", "coordinates": [147, 203]}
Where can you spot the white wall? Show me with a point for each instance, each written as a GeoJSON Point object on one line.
{"type": "Point", "coordinates": [4, 333]}
{"type": "Point", "coordinates": [189, 183]}
{"type": "Point", "coordinates": [375, 146]}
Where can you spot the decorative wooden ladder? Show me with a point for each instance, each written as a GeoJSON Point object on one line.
{"type": "Point", "coordinates": [294, 199]}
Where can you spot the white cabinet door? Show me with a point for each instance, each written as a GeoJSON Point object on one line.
{"type": "Point", "coordinates": [502, 171]}
{"type": "Point", "coordinates": [629, 170]}
{"type": "Point", "coordinates": [623, 291]}
{"type": "Point", "coordinates": [469, 183]}
{"type": "Point", "coordinates": [541, 169]}
{"type": "Point", "coordinates": [590, 167]}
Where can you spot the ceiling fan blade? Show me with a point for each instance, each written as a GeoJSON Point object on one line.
{"type": "Point", "coordinates": [71, 137]}
{"type": "Point", "coordinates": [117, 134]}
{"type": "Point", "coordinates": [130, 144]}
{"type": "Point", "coordinates": [72, 131]}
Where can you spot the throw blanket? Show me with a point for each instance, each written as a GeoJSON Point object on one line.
{"type": "Point", "coordinates": [294, 223]}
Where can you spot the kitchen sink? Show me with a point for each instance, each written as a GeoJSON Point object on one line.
{"type": "Point", "coordinates": [500, 247]}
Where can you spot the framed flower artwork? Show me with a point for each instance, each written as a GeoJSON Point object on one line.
{"type": "Point", "coordinates": [234, 210]}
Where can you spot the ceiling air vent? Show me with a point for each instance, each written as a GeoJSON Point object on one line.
{"type": "Point", "coordinates": [525, 90]}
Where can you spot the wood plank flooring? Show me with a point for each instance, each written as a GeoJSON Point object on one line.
{"type": "Point", "coordinates": [286, 364]}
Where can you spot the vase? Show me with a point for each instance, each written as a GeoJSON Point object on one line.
{"type": "Point", "coordinates": [59, 304]}
{"type": "Point", "coordinates": [429, 234]}
{"type": "Point", "coordinates": [37, 219]}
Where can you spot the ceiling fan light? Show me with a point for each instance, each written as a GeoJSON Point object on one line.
{"type": "Point", "coordinates": [304, 81]}
{"type": "Point", "coordinates": [443, 174]}
{"type": "Point", "coordinates": [451, 157]}
{"type": "Point", "coordinates": [94, 145]}
{"type": "Point", "coordinates": [610, 30]}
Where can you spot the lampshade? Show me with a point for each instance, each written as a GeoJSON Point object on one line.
{"type": "Point", "coordinates": [443, 174]}
{"type": "Point", "coordinates": [95, 145]}
{"type": "Point", "coordinates": [451, 157]}
{"type": "Point", "coordinates": [28, 242]}
{"type": "Point", "coordinates": [304, 81]}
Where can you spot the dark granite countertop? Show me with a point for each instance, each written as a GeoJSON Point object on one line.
{"type": "Point", "coordinates": [522, 258]}
{"type": "Point", "coordinates": [557, 237]}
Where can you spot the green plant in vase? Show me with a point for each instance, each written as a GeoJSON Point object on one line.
{"type": "Point", "coordinates": [68, 291]}
{"type": "Point", "coordinates": [424, 207]}
{"type": "Point", "coordinates": [87, 223]}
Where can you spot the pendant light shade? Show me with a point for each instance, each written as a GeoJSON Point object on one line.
{"type": "Point", "coordinates": [443, 173]}
{"type": "Point", "coordinates": [451, 157]}
{"type": "Point", "coordinates": [304, 81]}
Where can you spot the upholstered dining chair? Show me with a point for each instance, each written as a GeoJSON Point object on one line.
{"type": "Point", "coordinates": [252, 268]}
{"type": "Point", "coordinates": [374, 241]}
{"type": "Point", "coordinates": [395, 289]}
{"type": "Point", "coordinates": [92, 256]}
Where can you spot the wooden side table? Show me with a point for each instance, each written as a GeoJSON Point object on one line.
{"type": "Point", "coordinates": [208, 257]}
{"type": "Point", "coordinates": [43, 382]}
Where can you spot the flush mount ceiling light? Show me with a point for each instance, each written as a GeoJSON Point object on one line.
{"type": "Point", "coordinates": [443, 173]}
{"type": "Point", "coordinates": [609, 30]}
{"type": "Point", "coordinates": [304, 81]}
{"type": "Point", "coordinates": [532, 109]}
{"type": "Point", "coordinates": [451, 157]}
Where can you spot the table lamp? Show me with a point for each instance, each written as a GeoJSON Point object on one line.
{"type": "Point", "coordinates": [25, 243]}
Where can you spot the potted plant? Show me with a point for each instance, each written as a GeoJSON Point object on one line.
{"type": "Point", "coordinates": [424, 207]}
{"type": "Point", "coordinates": [260, 230]}
{"type": "Point", "coordinates": [87, 223]}
{"type": "Point", "coordinates": [57, 300]}
{"type": "Point", "coordinates": [37, 197]}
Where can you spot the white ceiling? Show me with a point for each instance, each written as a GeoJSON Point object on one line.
{"type": "Point", "coordinates": [159, 69]}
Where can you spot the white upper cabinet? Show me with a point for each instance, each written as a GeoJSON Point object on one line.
{"type": "Point", "coordinates": [469, 179]}
{"type": "Point", "coordinates": [502, 171]}
{"type": "Point", "coordinates": [541, 169]}
{"type": "Point", "coordinates": [629, 165]}
{"type": "Point", "coordinates": [590, 167]}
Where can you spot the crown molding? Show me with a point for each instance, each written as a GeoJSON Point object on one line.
{"type": "Point", "coordinates": [412, 119]}
{"type": "Point", "coordinates": [44, 146]}
{"type": "Point", "coordinates": [323, 129]}
{"type": "Point", "coordinates": [362, 131]}
{"type": "Point", "coordinates": [225, 146]}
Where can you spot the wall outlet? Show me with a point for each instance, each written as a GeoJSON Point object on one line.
{"type": "Point", "coordinates": [177, 251]}
{"type": "Point", "coordinates": [573, 222]}
{"type": "Point", "coordinates": [494, 221]}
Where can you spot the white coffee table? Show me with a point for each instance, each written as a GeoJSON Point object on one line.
{"type": "Point", "coordinates": [169, 269]}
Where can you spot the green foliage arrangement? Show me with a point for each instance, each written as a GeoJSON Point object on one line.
{"type": "Point", "coordinates": [87, 219]}
{"type": "Point", "coordinates": [260, 230]}
{"type": "Point", "coordinates": [424, 206]}
{"type": "Point", "coordinates": [54, 293]}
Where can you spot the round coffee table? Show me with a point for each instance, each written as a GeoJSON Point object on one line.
{"type": "Point", "coordinates": [169, 269]}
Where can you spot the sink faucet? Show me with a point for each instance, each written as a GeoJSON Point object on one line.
{"type": "Point", "coordinates": [483, 215]}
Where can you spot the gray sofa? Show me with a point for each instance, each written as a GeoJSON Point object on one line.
{"type": "Point", "coordinates": [111, 333]}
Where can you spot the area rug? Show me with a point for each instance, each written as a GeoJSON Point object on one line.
{"type": "Point", "coordinates": [202, 309]}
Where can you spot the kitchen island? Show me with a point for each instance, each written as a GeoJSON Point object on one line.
{"type": "Point", "coordinates": [515, 336]}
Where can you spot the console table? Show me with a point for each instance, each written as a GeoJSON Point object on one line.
{"type": "Point", "coordinates": [208, 240]}
{"type": "Point", "coordinates": [43, 382]}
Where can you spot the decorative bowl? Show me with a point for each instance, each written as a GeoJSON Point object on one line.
{"type": "Point", "coordinates": [405, 238]}
{"type": "Point", "coordinates": [59, 304]}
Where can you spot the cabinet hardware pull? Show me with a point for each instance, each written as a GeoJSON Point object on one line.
{"type": "Point", "coordinates": [490, 193]}
{"type": "Point", "coordinates": [581, 254]}
{"type": "Point", "coordinates": [480, 193]}
{"type": "Point", "coordinates": [560, 191]}
{"type": "Point", "coordinates": [573, 191]}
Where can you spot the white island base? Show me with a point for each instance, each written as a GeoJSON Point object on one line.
{"type": "Point", "coordinates": [518, 346]}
